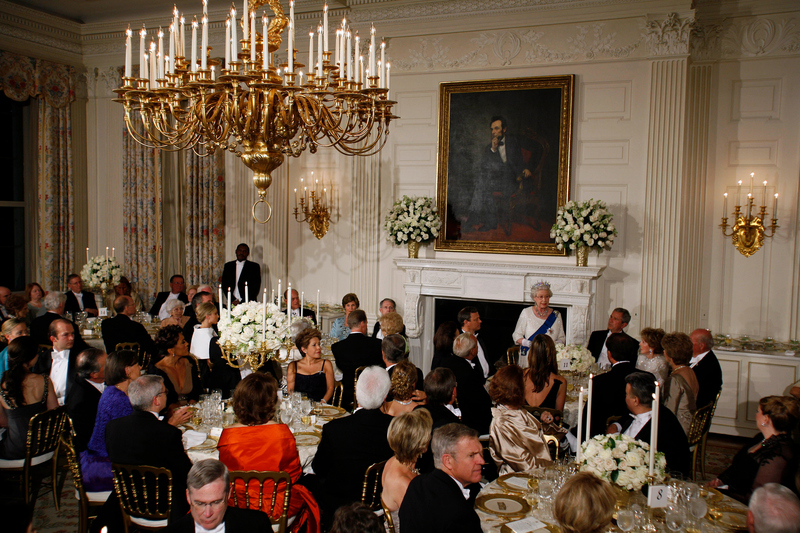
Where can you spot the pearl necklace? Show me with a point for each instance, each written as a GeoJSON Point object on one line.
{"type": "Point", "coordinates": [403, 403]}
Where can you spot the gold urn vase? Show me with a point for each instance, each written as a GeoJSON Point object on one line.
{"type": "Point", "coordinates": [413, 249]}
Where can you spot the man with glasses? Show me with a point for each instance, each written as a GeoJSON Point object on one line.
{"type": "Point", "coordinates": [208, 491]}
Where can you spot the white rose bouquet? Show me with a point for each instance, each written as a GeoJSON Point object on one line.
{"type": "Point", "coordinates": [580, 358]}
{"type": "Point", "coordinates": [621, 460]}
{"type": "Point", "coordinates": [413, 218]}
{"type": "Point", "coordinates": [584, 224]}
{"type": "Point", "coordinates": [245, 325]}
{"type": "Point", "coordinates": [101, 272]}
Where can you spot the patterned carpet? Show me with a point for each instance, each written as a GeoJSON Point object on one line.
{"type": "Point", "coordinates": [720, 450]}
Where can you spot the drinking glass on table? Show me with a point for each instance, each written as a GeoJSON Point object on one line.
{"type": "Point", "coordinates": [546, 493]}
{"type": "Point", "coordinates": [626, 519]}
{"type": "Point", "coordinates": [674, 517]}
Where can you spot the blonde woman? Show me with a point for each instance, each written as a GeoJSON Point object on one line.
{"type": "Point", "coordinates": [203, 336]}
{"type": "Point", "coordinates": [404, 384]}
{"type": "Point", "coordinates": [12, 328]}
{"type": "Point", "coordinates": [585, 504]}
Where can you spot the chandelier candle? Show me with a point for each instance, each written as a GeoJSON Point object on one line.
{"type": "Point", "coordinates": [253, 39]}
{"type": "Point", "coordinates": [234, 40]}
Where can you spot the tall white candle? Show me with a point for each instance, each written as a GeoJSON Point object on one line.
{"type": "Point", "coordinates": [194, 45]}
{"type": "Point", "coordinates": [106, 254]}
{"type": "Point", "coordinates": [205, 8]}
{"type": "Point", "coordinates": [337, 49]}
{"type": "Point", "coordinates": [204, 41]}
{"type": "Point", "coordinates": [289, 305]}
{"type": "Point", "coordinates": [654, 428]}
{"type": "Point", "coordinates": [290, 48]}
{"type": "Point", "coordinates": [725, 205]}
{"type": "Point", "coordinates": [589, 408]}
{"type": "Point", "coordinates": [388, 78]}
{"type": "Point", "coordinates": [383, 64]}
{"type": "Point", "coordinates": [113, 252]}
{"type": "Point", "coordinates": [265, 43]}
{"type": "Point", "coordinates": [280, 296]}
{"type": "Point", "coordinates": [272, 299]}
{"type": "Point", "coordinates": [302, 302]}
{"type": "Point", "coordinates": [349, 58]}
{"type": "Point", "coordinates": [264, 317]}
{"type": "Point", "coordinates": [325, 25]}
{"type": "Point", "coordinates": [246, 21]}
{"type": "Point", "coordinates": [319, 51]}
{"type": "Point", "coordinates": [311, 52]}
{"type": "Point", "coordinates": [87, 254]}
{"type": "Point", "coordinates": [318, 311]}
{"type": "Point", "coordinates": [182, 41]}
{"type": "Point", "coordinates": [253, 38]}
{"type": "Point", "coordinates": [228, 43]}
{"type": "Point", "coordinates": [153, 70]}
{"type": "Point", "coordinates": [220, 294]}
{"type": "Point", "coordinates": [160, 53]}
{"type": "Point", "coordinates": [246, 292]}
{"type": "Point", "coordinates": [580, 426]}
{"type": "Point", "coordinates": [142, 53]}
{"type": "Point", "coordinates": [128, 53]}
{"type": "Point", "coordinates": [775, 207]}
{"type": "Point", "coordinates": [234, 39]}
{"type": "Point", "coordinates": [229, 299]}
{"type": "Point", "coordinates": [172, 30]}
{"type": "Point", "coordinates": [361, 69]}
{"type": "Point", "coordinates": [372, 51]}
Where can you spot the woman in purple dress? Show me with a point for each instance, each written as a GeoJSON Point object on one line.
{"type": "Point", "coordinates": [122, 367]}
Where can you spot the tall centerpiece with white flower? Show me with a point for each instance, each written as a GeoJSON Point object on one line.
{"type": "Point", "coordinates": [576, 357]}
{"type": "Point", "coordinates": [621, 460]}
{"type": "Point", "coordinates": [584, 226]}
{"type": "Point", "coordinates": [413, 221]}
{"type": "Point", "coordinates": [246, 327]}
{"type": "Point", "coordinates": [101, 273]}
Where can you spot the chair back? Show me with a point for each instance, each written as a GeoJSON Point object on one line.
{"type": "Point", "coordinates": [144, 358]}
{"type": "Point", "coordinates": [538, 411]}
{"type": "Point", "coordinates": [371, 490]}
{"type": "Point", "coordinates": [144, 492]}
{"type": "Point", "coordinates": [701, 422]}
{"type": "Point", "coordinates": [550, 439]}
{"type": "Point", "coordinates": [338, 390]}
{"type": "Point", "coordinates": [512, 355]}
{"type": "Point", "coordinates": [261, 483]}
{"type": "Point", "coordinates": [74, 463]}
{"type": "Point", "coordinates": [387, 514]}
{"type": "Point", "coordinates": [358, 372]}
{"type": "Point", "coordinates": [44, 432]}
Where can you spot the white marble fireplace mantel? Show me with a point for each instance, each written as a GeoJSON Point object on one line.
{"type": "Point", "coordinates": [572, 286]}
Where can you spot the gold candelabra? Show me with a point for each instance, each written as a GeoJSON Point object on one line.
{"type": "Point", "coordinates": [314, 208]}
{"type": "Point", "coordinates": [257, 110]}
{"type": "Point", "coordinates": [255, 359]}
{"type": "Point", "coordinates": [748, 230]}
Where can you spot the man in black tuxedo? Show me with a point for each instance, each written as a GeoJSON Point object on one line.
{"type": "Point", "coordinates": [349, 445]}
{"type": "Point", "coordinates": [295, 303]}
{"type": "Point", "coordinates": [619, 319]}
{"type": "Point", "coordinates": [54, 302]}
{"type": "Point", "coordinates": [85, 394]}
{"type": "Point", "coordinates": [473, 400]}
{"type": "Point", "coordinates": [470, 322]}
{"type": "Point", "coordinates": [142, 439]}
{"type": "Point", "coordinates": [120, 328]}
{"type": "Point", "coordinates": [393, 350]}
{"type": "Point", "coordinates": [387, 306]}
{"type": "Point", "coordinates": [706, 367]}
{"type": "Point", "coordinates": [208, 491]}
{"type": "Point", "coordinates": [59, 363]}
{"type": "Point", "coordinates": [639, 390]}
{"type": "Point", "coordinates": [79, 300]}
{"type": "Point", "coordinates": [355, 351]}
{"type": "Point", "coordinates": [440, 392]}
{"type": "Point", "coordinates": [443, 500]}
{"type": "Point", "coordinates": [236, 273]}
{"type": "Point", "coordinates": [176, 288]}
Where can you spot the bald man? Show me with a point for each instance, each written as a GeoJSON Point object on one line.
{"type": "Point", "coordinates": [706, 367]}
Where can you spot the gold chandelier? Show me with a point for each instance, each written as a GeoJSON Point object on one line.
{"type": "Point", "coordinates": [259, 111]}
{"type": "Point", "coordinates": [748, 230]}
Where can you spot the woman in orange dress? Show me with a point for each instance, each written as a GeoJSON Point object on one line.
{"type": "Point", "coordinates": [257, 442]}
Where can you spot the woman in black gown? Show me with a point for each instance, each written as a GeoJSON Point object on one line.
{"type": "Point", "coordinates": [311, 375]}
{"type": "Point", "coordinates": [771, 457]}
{"type": "Point", "coordinates": [543, 386]}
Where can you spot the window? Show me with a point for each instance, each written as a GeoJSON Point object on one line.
{"type": "Point", "coordinates": [13, 214]}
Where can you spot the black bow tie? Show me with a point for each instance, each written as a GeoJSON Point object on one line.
{"type": "Point", "coordinates": [501, 143]}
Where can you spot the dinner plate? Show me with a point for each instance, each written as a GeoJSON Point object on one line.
{"type": "Point", "coordinates": [710, 494]}
{"type": "Point", "coordinates": [505, 505]}
{"type": "Point", "coordinates": [330, 411]}
{"type": "Point", "coordinates": [307, 438]}
{"type": "Point", "coordinates": [733, 520]}
{"type": "Point", "coordinates": [515, 481]}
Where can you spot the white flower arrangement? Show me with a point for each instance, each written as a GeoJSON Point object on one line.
{"type": "Point", "coordinates": [101, 272]}
{"type": "Point", "coordinates": [621, 460]}
{"type": "Point", "coordinates": [584, 224]}
{"type": "Point", "coordinates": [242, 326]}
{"type": "Point", "coordinates": [414, 218]}
{"type": "Point", "coordinates": [579, 357]}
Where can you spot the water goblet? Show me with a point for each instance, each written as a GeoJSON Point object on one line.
{"type": "Point", "coordinates": [674, 518]}
{"type": "Point", "coordinates": [625, 519]}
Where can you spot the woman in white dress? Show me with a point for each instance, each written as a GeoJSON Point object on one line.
{"type": "Point", "coordinates": [539, 318]}
{"type": "Point", "coordinates": [207, 315]}
{"type": "Point", "coordinates": [651, 355]}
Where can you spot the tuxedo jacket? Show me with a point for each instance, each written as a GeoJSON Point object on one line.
{"type": "Point", "coordinates": [348, 447]}
{"type": "Point", "coordinates": [162, 297]}
{"type": "Point", "coordinates": [142, 439]}
{"type": "Point", "coordinates": [121, 328]}
{"type": "Point", "coordinates": [309, 313]}
{"type": "Point", "coordinates": [251, 273]}
{"type": "Point", "coordinates": [434, 503]}
{"type": "Point", "coordinates": [441, 416]}
{"type": "Point", "coordinates": [709, 376]}
{"type": "Point", "coordinates": [40, 330]}
{"type": "Point", "coordinates": [608, 393]}
{"type": "Point", "coordinates": [236, 521]}
{"type": "Point", "coordinates": [500, 176]}
{"type": "Point", "coordinates": [72, 305]}
{"type": "Point", "coordinates": [81, 407]}
{"type": "Point", "coordinates": [491, 358]}
{"type": "Point", "coordinates": [355, 351]}
{"type": "Point", "coordinates": [597, 340]}
{"type": "Point", "coordinates": [45, 362]}
{"type": "Point", "coordinates": [671, 439]}
{"type": "Point", "coordinates": [473, 400]}
{"type": "Point", "coordinates": [377, 327]}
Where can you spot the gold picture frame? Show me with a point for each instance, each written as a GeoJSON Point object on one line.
{"type": "Point", "coordinates": [505, 150]}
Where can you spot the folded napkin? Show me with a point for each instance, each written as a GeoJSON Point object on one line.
{"type": "Point", "coordinates": [192, 438]}
{"type": "Point", "coordinates": [526, 525]}
{"type": "Point", "coordinates": [215, 432]}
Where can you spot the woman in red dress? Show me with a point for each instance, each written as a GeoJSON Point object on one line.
{"type": "Point", "coordinates": [257, 442]}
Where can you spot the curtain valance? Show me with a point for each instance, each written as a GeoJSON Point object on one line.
{"type": "Point", "coordinates": [22, 77]}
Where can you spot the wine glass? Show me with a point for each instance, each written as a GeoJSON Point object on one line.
{"type": "Point", "coordinates": [625, 519]}
{"type": "Point", "coordinates": [698, 508]}
{"type": "Point", "coordinates": [674, 518]}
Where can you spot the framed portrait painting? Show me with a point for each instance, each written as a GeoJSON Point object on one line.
{"type": "Point", "coordinates": [503, 163]}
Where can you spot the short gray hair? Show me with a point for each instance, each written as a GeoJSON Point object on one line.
{"type": "Point", "coordinates": [776, 509]}
{"type": "Point", "coordinates": [445, 440]}
{"type": "Point", "coordinates": [207, 471]}
{"type": "Point", "coordinates": [172, 304]}
{"type": "Point", "coordinates": [296, 327]}
{"type": "Point", "coordinates": [372, 387]}
{"type": "Point", "coordinates": [463, 344]}
{"type": "Point", "coordinates": [53, 300]}
{"type": "Point", "coordinates": [142, 391]}
{"type": "Point", "coordinates": [394, 348]}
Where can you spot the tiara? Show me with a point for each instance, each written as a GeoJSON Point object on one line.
{"type": "Point", "coordinates": [540, 285]}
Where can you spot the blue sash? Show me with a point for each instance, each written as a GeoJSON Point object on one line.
{"type": "Point", "coordinates": [547, 324]}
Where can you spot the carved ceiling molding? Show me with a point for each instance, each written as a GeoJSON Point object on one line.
{"type": "Point", "coordinates": [763, 36]}
{"type": "Point", "coordinates": [669, 36]}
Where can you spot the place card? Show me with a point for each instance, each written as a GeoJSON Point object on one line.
{"type": "Point", "coordinates": [88, 332]}
{"type": "Point", "coordinates": [565, 364]}
{"type": "Point", "coordinates": [658, 495]}
{"type": "Point", "coordinates": [526, 525]}
{"type": "Point", "coordinates": [102, 311]}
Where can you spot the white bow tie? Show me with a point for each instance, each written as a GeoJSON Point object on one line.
{"type": "Point", "coordinates": [60, 355]}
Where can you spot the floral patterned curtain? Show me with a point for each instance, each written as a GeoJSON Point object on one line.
{"type": "Point", "coordinates": [141, 212]}
{"type": "Point", "coordinates": [21, 78]}
{"type": "Point", "coordinates": [204, 237]}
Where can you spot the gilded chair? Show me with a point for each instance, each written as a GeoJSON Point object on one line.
{"type": "Point", "coordinates": [259, 483]}
{"type": "Point", "coordinates": [537, 412]}
{"type": "Point", "coordinates": [144, 358]}
{"type": "Point", "coordinates": [512, 355]}
{"type": "Point", "coordinates": [145, 495]}
{"type": "Point", "coordinates": [550, 439]}
{"type": "Point", "coordinates": [387, 514]}
{"type": "Point", "coordinates": [44, 432]}
{"type": "Point", "coordinates": [372, 487]}
{"type": "Point", "coordinates": [698, 433]}
{"type": "Point", "coordinates": [338, 390]}
{"type": "Point", "coordinates": [88, 502]}
{"type": "Point", "coordinates": [359, 370]}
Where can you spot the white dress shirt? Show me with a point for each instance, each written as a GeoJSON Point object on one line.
{"type": "Point", "coordinates": [99, 386]}
{"type": "Point", "coordinates": [697, 358]}
{"type": "Point", "coordinates": [602, 360]}
{"type": "Point", "coordinates": [639, 421]}
{"type": "Point", "coordinates": [239, 267]}
{"type": "Point", "coordinates": [219, 529]}
{"type": "Point", "coordinates": [464, 491]}
{"type": "Point", "coordinates": [501, 149]}
{"type": "Point", "coordinates": [79, 296]}
{"type": "Point", "coordinates": [58, 374]}
{"type": "Point", "coordinates": [162, 313]}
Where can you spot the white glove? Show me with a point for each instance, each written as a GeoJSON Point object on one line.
{"type": "Point", "coordinates": [526, 343]}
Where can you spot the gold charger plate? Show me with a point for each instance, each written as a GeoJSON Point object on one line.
{"type": "Point", "coordinates": [330, 411]}
{"type": "Point", "coordinates": [307, 438]}
{"type": "Point", "coordinates": [710, 494]}
{"type": "Point", "coordinates": [505, 505]}
{"type": "Point", "coordinates": [515, 481]}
